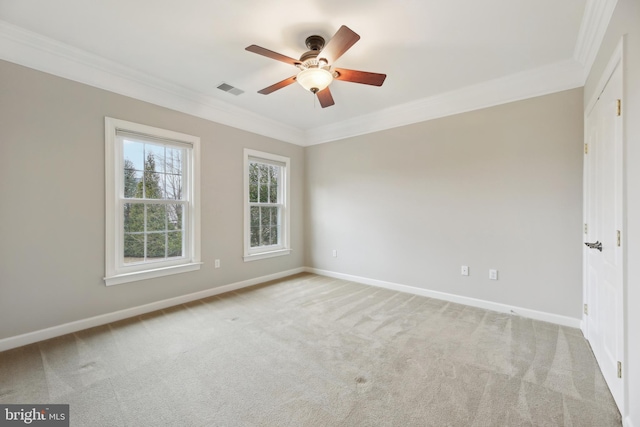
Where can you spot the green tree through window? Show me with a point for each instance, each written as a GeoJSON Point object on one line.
{"type": "Point", "coordinates": [266, 205]}
{"type": "Point", "coordinates": [264, 198]}
{"type": "Point", "coordinates": [153, 230]}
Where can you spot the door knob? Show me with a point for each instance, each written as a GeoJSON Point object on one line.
{"type": "Point", "coordinates": [597, 245]}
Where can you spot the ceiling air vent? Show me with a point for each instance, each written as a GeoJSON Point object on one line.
{"type": "Point", "coordinates": [230, 89]}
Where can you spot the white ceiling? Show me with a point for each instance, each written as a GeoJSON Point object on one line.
{"type": "Point", "coordinates": [431, 51]}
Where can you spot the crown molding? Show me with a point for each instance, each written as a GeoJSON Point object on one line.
{"type": "Point", "coordinates": [597, 14]}
{"type": "Point", "coordinates": [35, 51]}
{"type": "Point", "coordinates": [528, 84]}
{"type": "Point", "coordinates": [45, 54]}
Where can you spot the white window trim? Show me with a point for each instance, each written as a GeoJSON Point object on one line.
{"type": "Point", "coordinates": [253, 254]}
{"type": "Point", "coordinates": [114, 274]}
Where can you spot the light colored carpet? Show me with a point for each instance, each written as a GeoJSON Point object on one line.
{"type": "Point", "coordinates": [314, 351]}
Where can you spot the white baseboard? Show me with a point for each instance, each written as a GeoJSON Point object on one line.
{"type": "Point", "coordinates": [67, 328]}
{"type": "Point", "coordinates": [488, 305]}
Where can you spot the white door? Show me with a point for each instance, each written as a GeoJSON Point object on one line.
{"type": "Point", "coordinates": [603, 217]}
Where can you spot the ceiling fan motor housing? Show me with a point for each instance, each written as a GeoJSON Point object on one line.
{"type": "Point", "coordinates": [314, 43]}
{"type": "Point", "coordinates": [309, 59]}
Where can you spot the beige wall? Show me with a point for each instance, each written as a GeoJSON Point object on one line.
{"type": "Point", "coordinates": [52, 202]}
{"type": "Point", "coordinates": [626, 21]}
{"type": "Point", "coordinates": [495, 188]}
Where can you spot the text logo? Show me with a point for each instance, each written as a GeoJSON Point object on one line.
{"type": "Point", "coordinates": [34, 415]}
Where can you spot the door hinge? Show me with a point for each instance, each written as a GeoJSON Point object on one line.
{"type": "Point", "coordinates": [586, 229]}
{"type": "Point", "coordinates": [586, 309]}
{"type": "Point", "coordinates": [619, 369]}
{"type": "Point", "coordinates": [619, 107]}
{"type": "Point", "coordinates": [586, 148]}
{"type": "Point", "coordinates": [618, 237]}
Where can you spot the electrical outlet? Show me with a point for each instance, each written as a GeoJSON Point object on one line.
{"type": "Point", "coordinates": [335, 253]}
{"type": "Point", "coordinates": [493, 274]}
{"type": "Point", "coordinates": [464, 270]}
{"type": "Point", "coordinates": [216, 264]}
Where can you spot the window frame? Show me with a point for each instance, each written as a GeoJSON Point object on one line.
{"type": "Point", "coordinates": [284, 248]}
{"type": "Point", "coordinates": [116, 271]}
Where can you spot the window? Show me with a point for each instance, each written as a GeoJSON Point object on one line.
{"type": "Point", "coordinates": [266, 195]}
{"type": "Point", "coordinates": [152, 207]}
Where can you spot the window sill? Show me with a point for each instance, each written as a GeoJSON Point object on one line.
{"type": "Point", "coordinates": [119, 279]}
{"type": "Point", "coordinates": [263, 255]}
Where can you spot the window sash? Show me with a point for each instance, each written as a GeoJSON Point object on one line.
{"type": "Point", "coordinates": [185, 169]}
{"type": "Point", "coordinates": [269, 184]}
{"type": "Point", "coordinates": [184, 230]}
{"type": "Point", "coordinates": [265, 229]}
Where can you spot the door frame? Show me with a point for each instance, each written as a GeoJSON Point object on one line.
{"type": "Point", "coordinates": [616, 60]}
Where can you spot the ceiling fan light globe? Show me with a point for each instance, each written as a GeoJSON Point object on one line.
{"type": "Point", "coordinates": [314, 79]}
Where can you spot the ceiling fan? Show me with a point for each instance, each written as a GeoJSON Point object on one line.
{"type": "Point", "coordinates": [316, 72]}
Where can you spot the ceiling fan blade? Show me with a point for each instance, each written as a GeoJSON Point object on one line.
{"type": "Point", "coordinates": [271, 54]}
{"type": "Point", "coordinates": [364, 77]}
{"type": "Point", "coordinates": [325, 98]}
{"type": "Point", "coordinates": [339, 44]}
{"type": "Point", "coordinates": [279, 85]}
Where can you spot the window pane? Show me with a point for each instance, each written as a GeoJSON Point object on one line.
{"type": "Point", "coordinates": [153, 185]}
{"type": "Point", "coordinates": [173, 160]}
{"type": "Point", "coordinates": [253, 192]}
{"type": "Point", "coordinates": [173, 184]}
{"type": "Point", "coordinates": [162, 185]}
{"type": "Point", "coordinates": [175, 244]}
{"type": "Point", "coordinates": [265, 236]}
{"type": "Point", "coordinates": [155, 152]}
{"type": "Point", "coordinates": [273, 225]}
{"type": "Point", "coordinates": [263, 195]}
{"type": "Point", "coordinates": [265, 225]}
{"type": "Point", "coordinates": [133, 217]}
{"type": "Point", "coordinates": [134, 152]}
{"type": "Point", "coordinates": [156, 245]}
{"type": "Point", "coordinates": [255, 216]}
{"type": "Point", "coordinates": [156, 218]}
{"type": "Point", "coordinates": [255, 237]}
{"type": "Point", "coordinates": [274, 216]}
{"type": "Point", "coordinates": [174, 217]}
{"type": "Point", "coordinates": [253, 182]}
{"type": "Point", "coordinates": [131, 179]}
{"type": "Point", "coordinates": [273, 189]}
{"type": "Point", "coordinates": [133, 247]}
{"type": "Point", "coordinates": [265, 216]}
